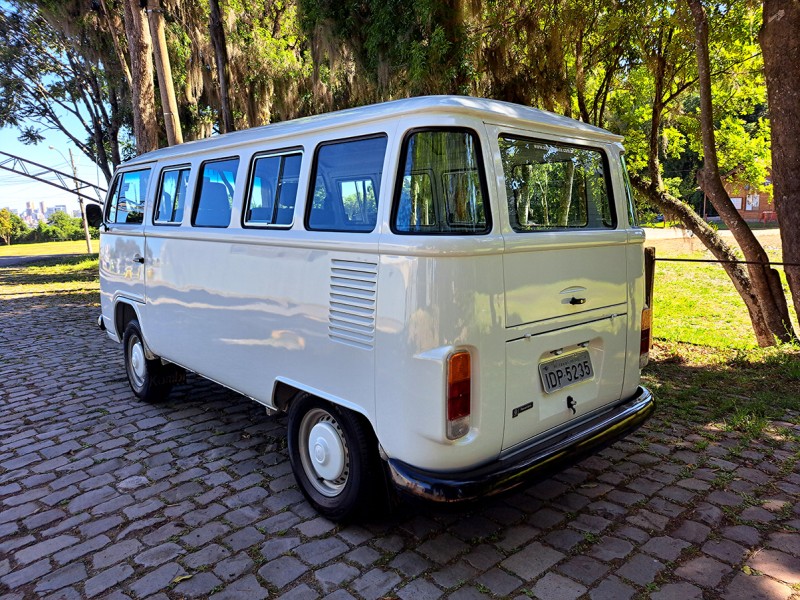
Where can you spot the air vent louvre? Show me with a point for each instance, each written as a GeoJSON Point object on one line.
{"type": "Point", "coordinates": [353, 295]}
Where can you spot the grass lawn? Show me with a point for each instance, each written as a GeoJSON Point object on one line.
{"type": "Point", "coordinates": [697, 303]}
{"type": "Point", "coordinates": [47, 248]}
{"type": "Point", "coordinates": [65, 276]}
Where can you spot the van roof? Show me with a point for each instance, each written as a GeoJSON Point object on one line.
{"type": "Point", "coordinates": [488, 110]}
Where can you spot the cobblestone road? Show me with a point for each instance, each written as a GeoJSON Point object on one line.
{"type": "Point", "coordinates": [102, 496]}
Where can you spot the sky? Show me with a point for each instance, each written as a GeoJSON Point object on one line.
{"type": "Point", "coordinates": [16, 190]}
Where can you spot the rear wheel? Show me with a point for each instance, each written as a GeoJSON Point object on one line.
{"type": "Point", "coordinates": [333, 456]}
{"type": "Point", "coordinates": [149, 379]}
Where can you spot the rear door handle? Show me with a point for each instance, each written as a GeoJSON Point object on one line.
{"type": "Point", "coordinates": [577, 300]}
{"type": "Point", "coordinates": [138, 259]}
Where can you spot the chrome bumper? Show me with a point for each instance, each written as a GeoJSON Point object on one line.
{"type": "Point", "coordinates": [530, 463]}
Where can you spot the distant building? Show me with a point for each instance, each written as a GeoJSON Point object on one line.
{"type": "Point", "coordinates": [752, 205]}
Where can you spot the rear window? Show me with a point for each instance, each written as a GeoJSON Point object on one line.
{"type": "Point", "coordinates": [347, 182]}
{"type": "Point", "coordinates": [441, 189]}
{"type": "Point", "coordinates": [215, 194]}
{"type": "Point", "coordinates": [555, 186]}
{"type": "Point", "coordinates": [126, 204]}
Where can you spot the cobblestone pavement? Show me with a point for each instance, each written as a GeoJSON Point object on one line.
{"type": "Point", "coordinates": [103, 496]}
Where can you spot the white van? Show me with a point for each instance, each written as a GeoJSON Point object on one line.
{"type": "Point", "coordinates": [443, 293]}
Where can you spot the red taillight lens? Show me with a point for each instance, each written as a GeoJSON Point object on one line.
{"type": "Point", "coordinates": [647, 337]}
{"type": "Point", "coordinates": [459, 394]}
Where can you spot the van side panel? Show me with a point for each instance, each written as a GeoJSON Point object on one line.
{"type": "Point", "coordinates": [253, 312]}
{"type": "Point", "coordinates": [430, 306]}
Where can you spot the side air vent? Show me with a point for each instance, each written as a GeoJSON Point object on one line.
{"type": "Point", "coordinates": [354, 287]}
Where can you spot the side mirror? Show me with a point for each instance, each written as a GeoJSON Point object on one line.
{"type": "Point", "coordinates": [94, 215]}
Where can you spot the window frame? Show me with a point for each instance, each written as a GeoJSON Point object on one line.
{"type": "Point", "coordinates": [612, 201]}
{"type": "Point", "coordinates": [114, 190]}
{"type": "Point", "coordinates": [400, 175]}
{"type": "Point", "coordinates": [199, 188]}
{"type": "Point", "coordinates": [157, 202]}
{"type": "Point", "coordinates": [251, 173]}
{"type": "Point", "coordinates": [312, 181]}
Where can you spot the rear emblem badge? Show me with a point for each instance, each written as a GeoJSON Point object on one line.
{"type": "Point", "coordinates": [521, 409]}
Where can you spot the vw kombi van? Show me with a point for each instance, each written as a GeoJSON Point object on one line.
{"type": "Point", "coordinates": [445, 294]}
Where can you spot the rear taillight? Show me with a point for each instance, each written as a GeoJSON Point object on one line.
{"type": "Point", "coordinates": [459, 394]}
{"type": "Point", "coordinates": [647, 337]}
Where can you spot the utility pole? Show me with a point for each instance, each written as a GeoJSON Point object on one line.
{"type": "Point", "coordinates": [80, 203]}
{"type": "Point", "coordinates": [166, 87]}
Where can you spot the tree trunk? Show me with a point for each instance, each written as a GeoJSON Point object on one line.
{"type": "Point", "coordinates": [145, 125]}
{"type": "Point", "coordinates": [221, 52]}
{"type": "Point", "coordinates": [166, 87]}
{"type": "Point", "coordinates": [780, 45]}
{"type": "Point", "coordinates": [765, 280]}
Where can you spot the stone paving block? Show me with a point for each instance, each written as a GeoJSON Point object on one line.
{"type": "Point", "coordinates": [300, 592]}
{"type": "Point", "coordinates": [786, 542]}
{"type": "Point", "coordinates": [725, 550]}
{"type": "Point", "coordinates": [612, 588]}
{"type": "Point", "coordinates": [63, 577]}
{"type": "Point", "coordinates": [692, 531]}
{"type": "Point", "coordinates": [204, 534]}
{"type": "Point", "coordinates": [678, 591]}
{"type": "Point", "coordinates": [498, 582]}
{"type": "Point", "coordinates": [779, 565]}
{"type": "Point", "coordinates": [107, 579]}
{"type": "Point", "coordinates": [27, 574]}
{"type": "Point", "coordinates": [443, 548]}
{"type": "Point", "coordinates": [610, 548]}
{"type": "Point", "coordinates": [157, 580]}
{"type": "Point", "coordinates": [199, 585]}
{"type": "Point", "coordinates": [208, 555]}
{"type": "Point", "coordinates": [318, 552]}
{"type": "Point", "coordinates": [703, 570]}
{"type": "Point", "coordinates": [335, 576]}
{"type": "Point", "coordinates": [274, 547]}
{"type": "Point", "coordinates": [564, 539]}
{"type": "Point", "coordinates": [756, 587]}
{"type": "Point", "coordinates": [419, 589]}
{"type": "Point", "coordinates": [483, 557]}
{"type": "Point", "coordinates": [557, 586]}
{"type": "Point", "coordinates": [641, 569]}
{"type": "Point", "coordinates": [453, 575]}
{"type": "Point", "coordinates": [45, 549]}
{"type": "Point", "coordinates": [363, 555]}
{"type": "Point", "coordinates": [532, 561]}
{"type": "Point", "coordinates": [246, 587]}
{"type": "Point", "coordinates": [282, 571]}
{"type": "Point", "coordinates": [584, 569]}
{"type": "Point", "coordinates": [665, 547]}
{"type": "Point", "coordinates": [375, 583]}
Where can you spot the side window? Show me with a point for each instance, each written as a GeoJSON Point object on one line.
{"type": "Point", "coordinates": [215, 193]}
{"type": "Point", "coordinates": [273, 190]}
{"type": "Point", "coordinates": [171, 196]}
{"type": "Point", "coordinates": [347, 182]}
{"type": "Point", "coordinates": [127, 200]}
{"type": "Point", "coordinates": [441, 187]}
{"type": "Point", "coordinates": [632, 217]}
{"type": "Point", "coordinates": [555, 186]}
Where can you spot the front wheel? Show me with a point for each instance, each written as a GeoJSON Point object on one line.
{"type": "Point", "coordinates": [150, 380]}
{"type": "Point", "coordinates": [333, 456]}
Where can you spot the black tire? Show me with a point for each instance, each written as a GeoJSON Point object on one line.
{"type": "Point", "coordinates": [340, 481]}
{"type": "Point", "coordinates": [150, 380]}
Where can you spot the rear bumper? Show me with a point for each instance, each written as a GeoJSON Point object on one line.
{"type": "Point", "coordinates": [536, 461]}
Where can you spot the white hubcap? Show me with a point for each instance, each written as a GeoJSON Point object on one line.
{"type": "Point", "coordinates": [138, 362]}
{"type": "Point", "coordinates": [326, 451]}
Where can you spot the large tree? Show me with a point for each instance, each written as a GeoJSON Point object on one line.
{"type": "Point", "coordinates": [780, 42]}
{"type": "Point", "coordinates": [47, 74]}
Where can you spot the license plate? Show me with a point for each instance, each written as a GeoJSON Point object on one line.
{"type": "Point", "coordinates": [565, 371]}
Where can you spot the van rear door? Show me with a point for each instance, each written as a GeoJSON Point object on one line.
{"type": "Point", "coordinates": [565, 276]}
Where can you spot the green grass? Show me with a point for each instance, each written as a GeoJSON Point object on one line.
{"type": "Point", "coordinates": [65, 275]}
{"type": "Point", "coordinates": [47, 248]}
{"type": "Point", "coordinates": [696, 303]}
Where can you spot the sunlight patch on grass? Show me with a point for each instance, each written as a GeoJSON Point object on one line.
{"type": "Point", "coordinates": [47, 248]}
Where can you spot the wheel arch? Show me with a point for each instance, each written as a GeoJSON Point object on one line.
{"type": "Point", "coordinates": [286, 392]}
{"type": "Point", "coordinates": [126, 311]}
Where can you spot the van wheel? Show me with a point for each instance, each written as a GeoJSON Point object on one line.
{"type": "Point", "coordinates": [149, 379]}
{"type": "Point", "coordinates": [332, 454]}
